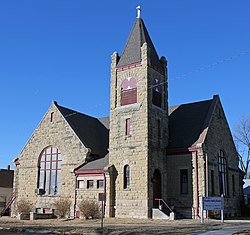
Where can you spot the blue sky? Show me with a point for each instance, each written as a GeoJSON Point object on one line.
{"type": "Point", "coordinates": [61, 50]}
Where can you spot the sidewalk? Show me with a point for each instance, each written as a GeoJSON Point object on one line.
{"type": "Point", "coordinates": [118, 226]}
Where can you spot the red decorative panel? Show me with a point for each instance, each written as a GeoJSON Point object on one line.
{"type": "Point", "coordinates": [129, 96]}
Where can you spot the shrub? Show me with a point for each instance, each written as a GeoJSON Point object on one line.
{"type": "Point", "coordinates": [90, 209]}
{"type": "Point", "coordinates": [62, 207]}
{"type": "Point", "coordinates": [24, 206]}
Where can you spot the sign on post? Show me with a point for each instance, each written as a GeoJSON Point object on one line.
{"type": "Point", "coordinates": [102, 197]}
{"type": "Point", "coordinates": [213, 203]}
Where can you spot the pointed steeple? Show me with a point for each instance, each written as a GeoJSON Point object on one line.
{"type": "Point", "coordinates": [132, 51]}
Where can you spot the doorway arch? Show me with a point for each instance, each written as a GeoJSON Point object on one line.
{"type": "Point", "coordinates": [156, 187]}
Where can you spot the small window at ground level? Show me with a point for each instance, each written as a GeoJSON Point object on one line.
{"type": "Point", "coordinates": [80, 184]}
{"type": "Point", "coordinates": [90, 184]}
{"type": "Point", "coordinates": [100, 184]}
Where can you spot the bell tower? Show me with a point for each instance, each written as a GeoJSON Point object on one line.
{"type": "Point", "coordinates": [138, 126]}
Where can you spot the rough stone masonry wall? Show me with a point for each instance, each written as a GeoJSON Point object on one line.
{"type": "Point", "coordinates": [219, 138]}
{"type": "Point", "coordinates": [158, 142]}
{"type": "Point", "coordinates": [59, 134]}
{"type": "Point", "coordinates": [133, 149]}
{"type": "Point", "coordinates": [181, 202]}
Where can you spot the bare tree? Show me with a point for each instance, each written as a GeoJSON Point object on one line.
{"type": "Point", "coordinates": [242, 142]}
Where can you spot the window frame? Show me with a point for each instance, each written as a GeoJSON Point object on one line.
{"type": "Point", "coordinates": [82, 183]}
{"type": "Point", "coordinates": [128, 127]}
{"type": "Point", "coordinates": [98, 184]}
{"type": "Point", "coordinates": [49, 171]}
{"type": "Point", "coordinates": [126, 177]}
{"type": "Point", "coordinates": [184, 182]}
{"type": "Point", "coordinates": [128, 91]}
{"type": "Point", "coordinates": [222, 169]}
{"type": "Point", "coordinates": [89, 182]}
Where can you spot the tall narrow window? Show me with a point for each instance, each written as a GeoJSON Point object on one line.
{"type": "Point", "coordinates": [126, 177]}
{"type": "Point", "coordinates": [212, 182]}
{"type": "Point", "coordinates": [233, 185]}
{"type": "Point", "coordinates": [128, 127]}
{"type": "Point", "coordinates": [159, 131]}
{"type": "Point", "coordinates": [51, 116]}
{"type": "Point", "coordinates": [222, 173]}
{"type": "Point", "coordinates": [50, 171]}
{"type": "Point", "coordinates": [156, 93]}
{"type": "Point", "coordinates": [128, 91]}
{"type": "Point", "coordinates": [184, 181]}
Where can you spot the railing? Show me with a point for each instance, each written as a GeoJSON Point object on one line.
{"type": "Point", "coordinates": [161, 201]}
{"type": "Point", "coordinates": [8, 204]}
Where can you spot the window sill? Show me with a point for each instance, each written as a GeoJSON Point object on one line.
{"type": "Point", "coordinates": [44, 195]}
{"type": "Point", "coordinates": [128, 137]}
{"type": "Point", "coordinates": [129, 107]}
{"type": "Point", "coordinates": [126, 189]}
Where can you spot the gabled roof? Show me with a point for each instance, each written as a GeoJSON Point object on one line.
{"type": "Point", "coordinates": [90, 130]}
{"type": "Point", "coordinates": [132, 51]}
{"type": "Point", "coordinates": [188, 123]}
{"type": "Point", "coordinates": [6, 178]}
{"type": "Point", "coordinates": [95, 164]}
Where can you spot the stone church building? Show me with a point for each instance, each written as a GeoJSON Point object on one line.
{"type": "Point", "coordinates": [145, 154]}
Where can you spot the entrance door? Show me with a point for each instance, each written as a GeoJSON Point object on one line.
{"type": "Point", "coordinates": [156, 187]}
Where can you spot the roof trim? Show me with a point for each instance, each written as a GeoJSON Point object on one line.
{"type": "Point", "coordinates": [89, 172]}
{"type": "Point", "coordinates": [208, 120]}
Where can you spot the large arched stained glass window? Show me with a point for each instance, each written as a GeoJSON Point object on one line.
{"type": "Point", "coordinates": [50, 171]}
{"type": "Point", "coordinates": [222, 164]}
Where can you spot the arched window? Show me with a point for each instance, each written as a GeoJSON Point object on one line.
{"type": "Point", "coordinates": [128, 91]}
{"type": "Point", "coordinates": [222, 173]}
{"type": "Point", "coordinates": [50, 171]}
{"type": "Point", "coordinates": [126, 177]}
{"type": "Point", "coordinates": [156, 100]}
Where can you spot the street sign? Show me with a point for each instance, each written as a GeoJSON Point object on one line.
{"type": "Point", "coordinates": [102, 197]}
{"type": "Point", "coordinates": [213, 203]}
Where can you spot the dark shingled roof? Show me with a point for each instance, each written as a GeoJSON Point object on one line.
{"type": "Point", "coordinates": [104, 121]}
{"type": "Point", "coordinates": [6, 178]}
{"type": "Point", "coordinates": [132, 50]}
{"type": "Point", "coordinates": [90, 130]}
{"type": "Point", "coordinates": [186, 123]}
{"type": "Point", "coordinates": [97, 164]}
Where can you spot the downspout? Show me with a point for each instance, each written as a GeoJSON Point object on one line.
{"type": "Point", "coordinates": [104, 192]}
{"type": "Point", "coordinates": [75, 196]}
{"type": "Point", "coordinates": [196, 185]}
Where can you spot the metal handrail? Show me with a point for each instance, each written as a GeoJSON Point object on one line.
{"type": "Point", "coordinates": [161, 200]}
{"type": "Point", "coordinates": [8, 203]}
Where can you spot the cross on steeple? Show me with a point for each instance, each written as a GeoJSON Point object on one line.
{"type": "Point", "coordinates": [138, 11]}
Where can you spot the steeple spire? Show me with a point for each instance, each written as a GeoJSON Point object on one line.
{"type": "Point", "coordinates": [138, 36]}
